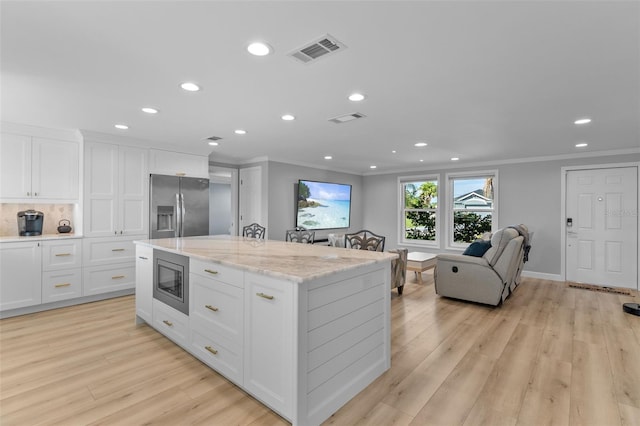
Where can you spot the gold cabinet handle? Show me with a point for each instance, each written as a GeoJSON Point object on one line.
{"type": "Point", "coordinates": [119, 249]}
{"type": "Point", "coordinates": [266, 296]}
{"type": "Point", "coordinates": [117, 277]}
{"type": "Point", "coordinates": [211, 308]}
{"type": "Point", "coordinates": [63, 254]}
{"type": "Point", "coordinates": [181, 174]}
{"type": "Point", "coordinates": [210, 349]}
{"type": "Point", "coordinates": [211, 271]}
{"type": "Point", "coordinates": [169, 323]}
{"type": "Point", "coordinates": [62, 285]}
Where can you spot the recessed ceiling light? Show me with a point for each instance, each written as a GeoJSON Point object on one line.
{"type": "Point", "coordinates": [582, 121]}
{"type": "Point", "coordinates": [454, 158]}
{"type": "Point", "coordinates": [288, 117]}
{"type": "Point", "coordinates": [421, 160]}
{"type": "Point", "coordinates": [190, 87]}
{"type": "Point", "coordinates": [393, 152]}
{"type": "Point", "coordinates": [420, 144]}
{"type": "Point", "coordinates": [356, 97]}
{"type": "Point", "coordinates": [212, 143]}
{"type": "Point", "coordinates": [149, 110]}
{"type": "Point", "coordinates": [581, 145]}
{"type": "Point", "coordinates": [373, 167]}
{"type": "Point", "coordinates": [259, 48]}
{"type": "Point", "coordinates": [121, 126]}
{"type": "Point", "coordinates": [240, 132]}
{"type": "Point", "coordinates": [328, 157]}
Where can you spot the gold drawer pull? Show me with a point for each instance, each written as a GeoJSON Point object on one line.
{"type": "Point", "coordinates": [169, 323]}
{"type": "Point", "coordinates": [210, 349]}
{"type": "Point", "coordinates": [211, 271]}
{"type": "Point", "coordinates": [181, 174]}
{"type": "Point", "coordinates": [211, 308]}
{"type": "Point", "coordinates": [63, 254]}
{"type": "Point", "coordinates": [62, 285]}
{"type": "Point", "coordinates": [117, 277]}
{"type": "Point", "coordinates": [118, 249]}
{"type": "Point", "coordinates": [266, 296]}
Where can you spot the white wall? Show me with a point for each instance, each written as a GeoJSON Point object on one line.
{"type": "Point", "coordinates": [529, 193]}
{"type": "Point", "coordinates": [282, 197]}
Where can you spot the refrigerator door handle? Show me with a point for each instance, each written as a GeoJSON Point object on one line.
{"type": "Point", "coordinates": [178, 216]}
{"type": "Point", "coordinates": [183, 214]}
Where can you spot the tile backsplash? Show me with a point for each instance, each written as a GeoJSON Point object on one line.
{"type": "Point", "coordinates": [53, 214]}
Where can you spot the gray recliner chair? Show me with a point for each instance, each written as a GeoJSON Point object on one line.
{"type": "Point", "coordinates": [488, 279]}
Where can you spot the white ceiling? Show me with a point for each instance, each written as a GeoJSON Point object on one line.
{"type": "Point", "coordinates": [483, 81]}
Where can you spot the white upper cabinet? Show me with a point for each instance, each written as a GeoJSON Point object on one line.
{"type": "Point", "coordinates": [178, 164]}
{"type": "Point", "coordinates": [116, 190]}
{"type": "Point", "coordinates": [38, 168]}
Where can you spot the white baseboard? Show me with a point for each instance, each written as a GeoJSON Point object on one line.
{"type": "Point", "coordinates": [542, 276]}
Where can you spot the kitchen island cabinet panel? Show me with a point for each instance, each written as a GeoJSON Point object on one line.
{"type": "Point", "coordinates": [222, 355]}
{"type": "Point", "coordinates": [217, 307]}
{"type": "Point", "coordinates": [171, 323]}
{"type": "Point", "coordinates": [144, 284]}
{"type": "Point", "coordinates": [269, 350]}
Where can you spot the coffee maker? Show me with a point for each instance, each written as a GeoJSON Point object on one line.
{"type": "Point", "coordinates": [30, 223]}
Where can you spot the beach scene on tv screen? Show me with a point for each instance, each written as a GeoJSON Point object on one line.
{"type": "Point", "coordinates": [323, 205]}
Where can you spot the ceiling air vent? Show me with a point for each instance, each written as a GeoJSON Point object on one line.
{"type": "Point", "coordinates": [214, 138]}
{"type": "Point", "coordinates": [324, 46]}
{"type": "Point", "coordinates": [347, 117]}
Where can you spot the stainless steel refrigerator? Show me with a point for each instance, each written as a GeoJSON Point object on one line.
{"type": "Point", "coordinates": [179, 206]}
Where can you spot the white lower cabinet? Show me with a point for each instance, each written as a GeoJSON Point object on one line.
{"type": "Point", "coordinates": [268, 341]}
{"type": "Point", "coordinates": [108, 278]}
{"type": "Point", "coordinates": [171, 323]}
{"type": "Point", "coordinates": [108, 264]}
{"type": "Point", "coordinates": [20, 275]}
{"type": "Point", "coordinates": [61, 285]}
{"type": "Point", "coordinates": [144, 283]}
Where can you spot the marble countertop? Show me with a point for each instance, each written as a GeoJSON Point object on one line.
{"type": "Point", "coordinates": [292, 261]}
{"type": "Point", "coordinates": [18, 239]}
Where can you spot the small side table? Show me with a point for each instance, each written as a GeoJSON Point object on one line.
{"type": "Point", "coordinates": [419, 262]}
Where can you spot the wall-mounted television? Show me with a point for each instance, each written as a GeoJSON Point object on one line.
{"type": "Point", "coordinates": [323, 205]}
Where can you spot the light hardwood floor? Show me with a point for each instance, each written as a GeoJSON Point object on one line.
{"type": "Point", "coordinates": [550, 355]}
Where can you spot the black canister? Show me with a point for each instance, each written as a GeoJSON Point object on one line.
{"type": "Point", "coordinates": [30, 223]}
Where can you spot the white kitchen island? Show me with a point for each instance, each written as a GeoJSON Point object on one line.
{"type": "Point", "coordinates": [302, 328]}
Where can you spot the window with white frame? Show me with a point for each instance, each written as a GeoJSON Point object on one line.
{"type": "Point", "coordinates": [419, 203]}
{"type": "Point", "coordinates": [472, 206]}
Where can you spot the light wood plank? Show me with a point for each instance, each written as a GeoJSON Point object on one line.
{"type": "Point", "coordinates": [549, 355]}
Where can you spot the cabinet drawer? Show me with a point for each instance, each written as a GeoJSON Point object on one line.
{"type": "Point", "coordinates": [58, 255]}
{"type": "Point", "coordinates": [61, 285]}
{"type": "Point", "coordinates": [221, 356]}
{"type": "Point", "coordinates": [104, 279]}
{"type": "Point", "coordinates": [105, 251]}
{"type": "Point", "coordinates": [218, 272]}
{"type": "Point", "coordinates": [217, 307]}
{"type": "Point", "coordinates": [171, 323]}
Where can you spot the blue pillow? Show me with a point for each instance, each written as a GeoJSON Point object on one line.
{"type": "Point", "coordinates": [477, 248]}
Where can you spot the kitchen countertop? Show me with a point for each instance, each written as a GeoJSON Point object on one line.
{"type": "Point", "coordinates": [16, 238]}
{"type": "Point", "coordinates": [292, 261]}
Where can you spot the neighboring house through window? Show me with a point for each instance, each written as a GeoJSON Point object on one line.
{"type": "Point", "coordinates": [419, 203]}
{"type": "Point", "coordinates": [472, 206]}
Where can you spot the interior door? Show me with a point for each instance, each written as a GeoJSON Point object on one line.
{"type": "Point", "coordinates": [602, 227]}
{"type": "Point", "coordinates": [250, 197]}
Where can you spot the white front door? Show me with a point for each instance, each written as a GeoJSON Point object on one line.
{"type": "Point", "coordinates": [602, 227]}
